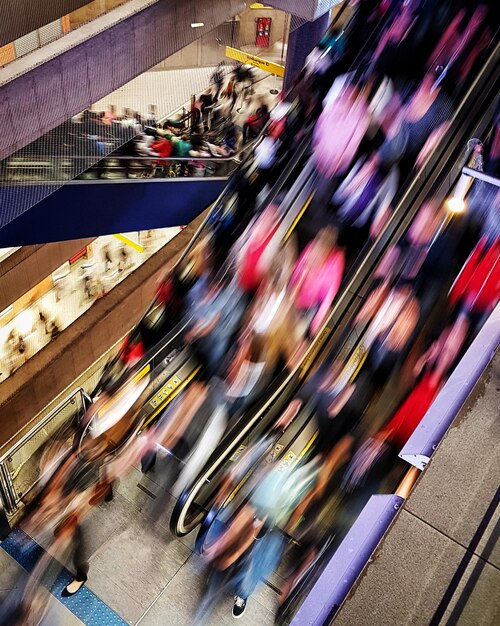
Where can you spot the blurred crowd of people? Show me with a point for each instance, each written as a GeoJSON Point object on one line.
{"type": "Point", "coordinates": [255, 289]}
{"type": "Point", "coordinates": [208, 128]}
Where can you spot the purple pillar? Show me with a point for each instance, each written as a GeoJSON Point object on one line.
{"type": "Point", "coordinates": [300, 43]}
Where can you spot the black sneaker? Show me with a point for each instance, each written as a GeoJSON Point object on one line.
{"type": "Point", "coordinates": [239, 607]}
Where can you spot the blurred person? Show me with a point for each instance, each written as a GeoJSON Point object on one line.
{"type": "Point", "coordinates": [143, 145]}
{"type": "Point", "coordinates": [269, 338]}
{"type": "Point", "coordinates": [269, 148]}
{"type": "Point", "coordinates": [337, 400]}
{"type": "Point", "coordinates": [419, 126]}
{"type": "Point", "coordinates": [230, 93]}
{"type": "Point", "coordinates": [249, 548]}
{"type": "Point", "coordinates": [163, 147]}
{"type": "Point", "coordinates": [483, 199]}
{"type": "Point", "coordinates": [199, 146]}
{"type": "Point", "coordinates": [110, 115]}
{"type": "Point", "coordinates": [466, 36]}
{"type": "Point", "coordinates": [363, 204]}
{"type": "Point", "coordinates": [257, 250]}
{"type": "Point", "coordinates": [152, 116]}
{"type": "Point", "coordinates": [124, 260]}
{"type": "Point", "coordinates": [431, 373]}
{"type": "Point", "coordinates": [476, 290]}
{"type": "Point", "coordinates": [44, 321]}
{"type": "Point", "coordinates": [316, 279]}
{"type": "Point", "coordinates": [255, 123]}
{"type": "Point", "coordinates": [182, 146]}
{"type": "Point", "coordinates": [391, 315]}
{"type": "Point", "coordinates": [345, 116]}
{"type": "Point", "coordinates": [423, 257]}
{"type": "Point", "coordinates": [54, 329]}
{"type": "Point", "coordinates": [217, 79]}
{"type": "Point", "coordinates": [215, 315]}
{"type": "Point", "coordinates": [229, 143]}
{"type": "Point", "coordinates": [59, 288]}
{"type": "Point", "coordinates": [108, 259]}
{"type": "Point", "coordinates": [88, 287]}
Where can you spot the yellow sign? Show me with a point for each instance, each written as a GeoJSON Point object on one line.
{"type": "Point", "coordinates": [262, 64]}
{"type": "Point", "coordinates": [130, 242]}
{"type": "Point", "coordinates": [259, 5]}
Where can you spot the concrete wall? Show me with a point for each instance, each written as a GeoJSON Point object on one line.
{"type": "Point", "coordinates": [210, 49]}
{"type": "Point", "coordinates": [94, 60]}
{"type": "Point", "coordinates": [310, 9]}
{"type": "Point", "coordinates": [26, 267]}
{"type": "Point", "coordinates": [206, 51]}
{"type": "Point", "coordinates": [19, 17]}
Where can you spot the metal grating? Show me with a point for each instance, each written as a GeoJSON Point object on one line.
{"type": "Point", "coordinates": [50, 32]}
{"type": "Point", "coordinates": [26, 44]}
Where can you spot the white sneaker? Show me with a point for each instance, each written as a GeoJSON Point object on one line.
{"type": "Point", "coordinates": [239, 607]}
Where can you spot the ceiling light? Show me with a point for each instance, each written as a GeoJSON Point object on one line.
{"type": "Point", "coordinates": [197, 24]}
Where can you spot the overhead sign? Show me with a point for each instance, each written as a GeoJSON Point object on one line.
{"type": "Point", "coordinates": [262, 64]}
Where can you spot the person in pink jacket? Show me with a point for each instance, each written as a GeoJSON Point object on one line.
{"type": "Point", "coordinates": [340, 129]}
{"type": "Point", "coordinates": [316, 278]}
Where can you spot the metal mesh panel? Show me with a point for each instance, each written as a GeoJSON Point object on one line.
{"type": "Point", "coordinates": [41, 167]}
{"type": "Point", "coordinates": [26, 44]}
{"type": "Point", "coordinates": [50, 32]}
{"type": "Point", "coordinates": [23, 464]}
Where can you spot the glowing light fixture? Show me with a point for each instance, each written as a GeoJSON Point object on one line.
{"type": "Point", "coordinates": [24, 321]}
{"type": "Point", "coordinates": [455, 205]}
{"type": "Point", "coordinates": [197, 24]}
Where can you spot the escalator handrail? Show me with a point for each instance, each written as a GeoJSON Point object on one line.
{"type": "Point", "coordinates": [398, 222]}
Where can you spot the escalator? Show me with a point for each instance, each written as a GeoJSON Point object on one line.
{"type": "Point", "coordinates": [293, 446]}
{"type": "Point", "coordinates": [474, 113]}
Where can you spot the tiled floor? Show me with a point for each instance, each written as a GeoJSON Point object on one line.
{"type": "Point", "coordinates": [140, 571]}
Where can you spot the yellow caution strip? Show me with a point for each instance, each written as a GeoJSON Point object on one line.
{"type": "Point", "coordinates": [142, 373]}
{"type": "Point", "coordinates": [299, 216]}
{"type": "Point", "coordinates": [250, 59]}
{"type": "Point", "coordinates": [130, 242]}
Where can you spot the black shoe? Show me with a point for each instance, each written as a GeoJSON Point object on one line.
{"type": "Point", "coordinates": [110, 495]}
{"type": "Point", "coordinates": [239, 607]}
{"type": "Point", "coordinates": [75, 585]}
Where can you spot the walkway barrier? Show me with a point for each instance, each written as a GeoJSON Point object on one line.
{"type": "Point", "coordinates": [341, 572]}
{"type": "Point", "coordinates": [355, 551]}
{"type": "Point", "coordinates": [422, 444]}
{"type": "Point", "coordinates": [19, 466]}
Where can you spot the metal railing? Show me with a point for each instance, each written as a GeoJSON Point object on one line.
{"type": "Point", "coordinates": [19, 466]}
{"type": "Point", "coordinates": [121, 167]}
